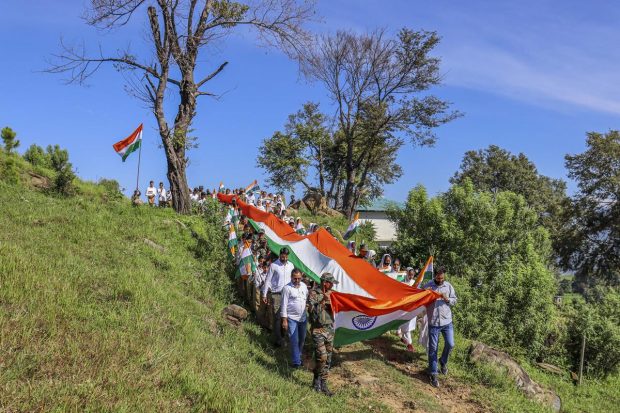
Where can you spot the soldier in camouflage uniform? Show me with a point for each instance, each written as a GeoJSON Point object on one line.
{"type": "Point", "coordinates": [322, 329]}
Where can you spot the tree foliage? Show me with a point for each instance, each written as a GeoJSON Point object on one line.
{"type": "Point", "coordinates": [495, 252]}
{"type": "Point", "coordinates": [591, 231]}
{"type": "Point", "coordinates": [376, 84]}
{"type": "Point", "coordinates": [37, 156]}
{"type": "Point", "coordinates": [9, 138]}
{"type": "Point", "coordinates": [495, 169]}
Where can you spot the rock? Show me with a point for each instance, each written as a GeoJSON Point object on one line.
{"type": "Point", "coordinates": [236, 312]}
{"type": "Point", "coordinates": [232, 320]}
{"type": "Point", "coordinates": [39, 181]}
{"type": "Point", "coordinates": [180, 224]}
{"type": "Point", "coordinates": [154, 245]}
{"type": "Point", "coordinates": [366, 380]}
{"type": "Point", "coordinates": [551, 368]}
{"type": "Point", "coordinates": [481, 353]}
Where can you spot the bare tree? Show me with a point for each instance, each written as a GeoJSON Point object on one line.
{"type": "Point", "coordinates": [179, 30]}
{"type": "Point", "coordinates": [369, 75]}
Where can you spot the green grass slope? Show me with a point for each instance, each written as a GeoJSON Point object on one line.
{"type": "Point", "coordinates": [93, 318]}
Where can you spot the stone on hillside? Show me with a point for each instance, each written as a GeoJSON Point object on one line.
{"type": "Point", "coordinates": [481, 353]}
{"type": "Point", "coordinates": [154, 245]}
{"type": "Point", "coordinates": [236, 312]}
{"type": "Point", "coordinates": [551, 368]}
{"type": "Point", "coordinates": [39, 181]}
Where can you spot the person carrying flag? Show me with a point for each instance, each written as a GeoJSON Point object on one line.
{"type": "Point", "coordinates": [440, 321]}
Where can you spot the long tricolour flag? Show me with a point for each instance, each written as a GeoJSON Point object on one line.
{"type": "Point", "coordinates": [252, 187]}
{"type": "Point", "coordinates": [129, 144]}
{"type": "Point", "coordinates": [366, 302]}
{"type": "Point", "coordinates": [353, 226]}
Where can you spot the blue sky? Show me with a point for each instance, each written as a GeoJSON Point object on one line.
{"type": "Point", "coordinates": [530, 76]}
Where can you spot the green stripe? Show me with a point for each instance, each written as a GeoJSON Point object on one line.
{"type": "Point", "coordinates": [132, 148]}
{"type": "Point", "coordinates": [275, 248]}
{"type": "Point", "coordinates": [347, 336]}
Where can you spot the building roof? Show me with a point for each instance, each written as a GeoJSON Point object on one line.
{"type": "Point", "coordinates": [381, 204]}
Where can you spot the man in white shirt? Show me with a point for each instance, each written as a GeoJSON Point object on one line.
{"type": "Point", "coordinates": [150, 193]}
{"type": "Point", "coordinates": [162, 197]}
{"type": "Point", "coordinates": [294, 318]}
{"type": "Point", "coordinates": [278, 276]}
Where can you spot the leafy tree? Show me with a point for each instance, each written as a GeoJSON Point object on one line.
{"type": "Point", "coordinates": [495, 169]}
{"type": "Point", "coordinates": [495, 251]}
{"type": "Point", "coordinates": [591, 232]}
{"type": "Point", "coordinates": [8, 136]}
{"type": "Point", "coordinates": [281, 156]}
{"type": "Point", "coordinates": [287, 156]}
{"type": "Point", "coordinates": [179, 31]}
{"type": "Point", "coordinates": [37, 156]}
{"type": "Point", "coordinates": [375, 83]}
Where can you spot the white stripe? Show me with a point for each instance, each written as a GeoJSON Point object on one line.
{"type": "Point", "coordinates": [345, 318]}
{"type": "Point", "coordinates": [122, 151]}
{"type": "Point", "coordinates": [318, 263]}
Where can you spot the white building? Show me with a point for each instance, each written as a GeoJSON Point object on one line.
{"type": "Point", "coordinates": [376, 213]}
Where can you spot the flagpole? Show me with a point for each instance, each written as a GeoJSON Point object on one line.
{"type": "Point", "coordinates": [139, 156]}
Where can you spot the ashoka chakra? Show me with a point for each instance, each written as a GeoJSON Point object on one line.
{"type": "Point", "coordinates": [363, 322]}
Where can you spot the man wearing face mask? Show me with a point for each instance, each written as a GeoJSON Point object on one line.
{"type": "Point", "coordinates": [440, 321]}
{"type": "Point", "coordinates": [278, 276]}
{"type": "Point", "coordinates": [294, 320]}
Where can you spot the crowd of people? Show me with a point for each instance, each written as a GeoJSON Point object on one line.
{"type": "Point", "coordinates": [289, 303]}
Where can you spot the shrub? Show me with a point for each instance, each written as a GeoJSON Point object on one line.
{"type": "Point", "coordinates": [111, 188]}
{"type": "Point", "coordinates": [37, 156]}
{"type": "Point", "coordinates": [496, 254]}
{"type": "Point", "coordinates": [600, 322]}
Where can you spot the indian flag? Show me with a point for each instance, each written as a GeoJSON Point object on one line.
{"type": "Point", "coordinates": [252, 187]}
{"type": "Point", "coordinates": [366, 302]}
{"type": "Point", "coordinates": [232, 239]}
{"type": "Point", "coordinates": [129, 144]}
{"type": "Point", "coordinates": [247, 264]}
{"type": "Point", "coordinates": [426, 274]}
{"type": "Point", "coordinates": [353, 226]}
{"type": "Point", "coordinates": [221, 187]}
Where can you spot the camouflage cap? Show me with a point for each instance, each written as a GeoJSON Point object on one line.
{"type": "Point", "coordinates": [329, 278]}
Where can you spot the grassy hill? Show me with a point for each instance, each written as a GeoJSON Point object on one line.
{"type": "Point", "coordinates": [95, 317]}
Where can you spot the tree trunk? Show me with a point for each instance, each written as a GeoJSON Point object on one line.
{"type": "Point", "coordinates": [181, 201]}
{"type": "Point", "coordinates": [350, 183]}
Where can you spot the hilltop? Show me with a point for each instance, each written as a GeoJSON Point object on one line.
{"type": "Point", "coordinates": [104, 306]}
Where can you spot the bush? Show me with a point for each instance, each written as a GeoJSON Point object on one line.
{"type": "Point", "coordinates": [600, 322]}
{"type": "Point", "coordinates": [37, 156]}
{"type": "Point", "coordinates": [9, 171]}
{"type": "Point", "coordinates": [63, 183]}
{"type": "Point", "coordinates": [111, 188]}
{"type": "Point", "coordinates": [496, 254]}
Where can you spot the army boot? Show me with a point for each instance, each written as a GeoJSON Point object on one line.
{"type": "Point", "coordinates": [325, 389]}
{"type": "Point", "coordinates": [316, 383]}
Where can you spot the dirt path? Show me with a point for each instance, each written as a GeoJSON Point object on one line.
{"type": "Point", "coordinates": [374, 365]}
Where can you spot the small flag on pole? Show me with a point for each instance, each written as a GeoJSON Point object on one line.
{"type": "Point", "coordinates": [353, 226]}
{"type": "Point", "coordinates": [426, 274]}
{"type": "Point", "coordinates": [252, 187]}
{"type": "Point", "coordinates": [232, 240]}
{"type": "Point", "coordinates": [221, 185]}
{"type": "Point", "coordinates": [130, 144]}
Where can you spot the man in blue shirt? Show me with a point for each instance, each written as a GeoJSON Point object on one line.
{"type": "Point", "coordinates": [440, 321]}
